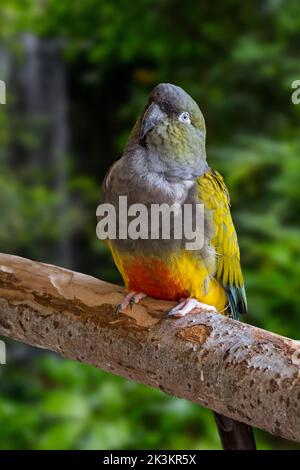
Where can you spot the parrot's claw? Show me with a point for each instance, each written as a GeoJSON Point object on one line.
{"type": "Point", "coordinates": [130, 299]}
{"type": "Point", "coordinates": [187, 305]}
{"type": "Point", "coordinates": [117, 310]}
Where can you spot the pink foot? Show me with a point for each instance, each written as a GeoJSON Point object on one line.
{"type": "Point", "coordinates": [130, 299]}
{"type": "Point", "coordinates": [187, 305]}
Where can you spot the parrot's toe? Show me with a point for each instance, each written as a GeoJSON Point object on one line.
{"type": "Point", "coordinates": [187, 305]}
{"type": "Point", "coordinates": [134, 299]}
{"type": "Point", "coordinates": [130, 299]}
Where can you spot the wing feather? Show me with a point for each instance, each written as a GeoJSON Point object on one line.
{"type": "Point", "coordinates": [214, 194]}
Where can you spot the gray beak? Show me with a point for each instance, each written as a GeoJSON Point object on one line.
{"type": "Point", "coordinates": [153, 115]}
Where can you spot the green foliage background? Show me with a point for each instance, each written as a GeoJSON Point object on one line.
{"type": "Point", "coordinates": [238, 60]}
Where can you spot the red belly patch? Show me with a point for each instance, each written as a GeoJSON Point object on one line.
{"type": "Point", "coordinates": [154, 279]}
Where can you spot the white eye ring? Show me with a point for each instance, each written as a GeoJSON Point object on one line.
{"type": "Point", "coordinates": [185, 117]}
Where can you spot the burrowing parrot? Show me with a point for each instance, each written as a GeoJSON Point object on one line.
{"type": "Point", "coordinates": [165, 162]}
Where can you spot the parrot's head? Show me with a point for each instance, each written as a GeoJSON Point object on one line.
{"type": "Point", "coordinates": [172, 132]}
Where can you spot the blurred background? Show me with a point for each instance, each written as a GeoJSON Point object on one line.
{"type": "Point", "coordinates": [77, 74]}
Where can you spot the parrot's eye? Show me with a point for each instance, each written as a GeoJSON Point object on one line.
{"type": "Point", "coordinates": [185, 117]}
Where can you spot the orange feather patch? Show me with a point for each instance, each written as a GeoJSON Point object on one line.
{"type": "Point", "coordinates": [154, 279]}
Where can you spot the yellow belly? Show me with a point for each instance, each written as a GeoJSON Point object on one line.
{"type": "Point", "coordinates": [180, 276]}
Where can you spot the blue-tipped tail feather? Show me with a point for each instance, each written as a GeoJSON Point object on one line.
{"type": "Point", "coordinates": [237, 300]}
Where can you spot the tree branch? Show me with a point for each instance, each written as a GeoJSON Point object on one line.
{"type": "Point", "coordinates": [238, 370]}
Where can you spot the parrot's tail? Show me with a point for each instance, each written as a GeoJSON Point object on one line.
{"type": "Point", "coordinates": [233, 434]}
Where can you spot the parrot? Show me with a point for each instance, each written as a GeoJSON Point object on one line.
{"type": "Point", "coordinates": [164, 162]}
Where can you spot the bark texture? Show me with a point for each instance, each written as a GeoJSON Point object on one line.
{"type": "Point", "coordinates": [235, 369]}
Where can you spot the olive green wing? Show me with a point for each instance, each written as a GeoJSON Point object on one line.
{"type": "Point", "coordinates": [213, 193]}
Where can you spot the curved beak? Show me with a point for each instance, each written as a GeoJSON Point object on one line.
{"type": "Point", "coordinates": [152, 116]}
